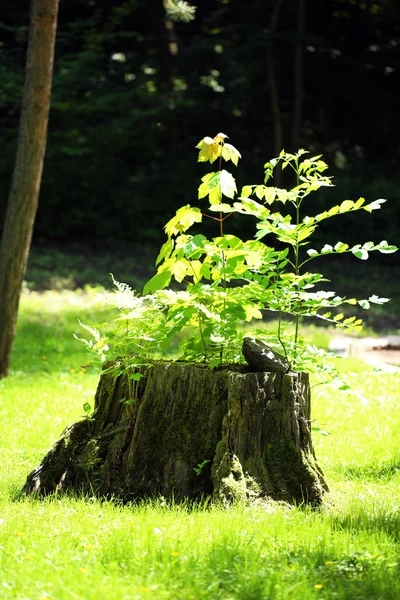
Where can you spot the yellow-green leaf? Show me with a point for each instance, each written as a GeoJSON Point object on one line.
{"type": "Point", "coordinates": [210, 150]}
{"type": "Point", "coordinates": [247, 190]}
{"type": "Point", "coordinates": [252, 312]}
{"type": "Point", "coordinates": [338, 317]}
{"type": "Point", "coordinates": [195, 270]}
{"type": "Point", "coordinates": [179, 269]}
{"type": "Point", "coordinates": [228, 184]}
{"type": "Point", "coordinates": [229, 152]}
{"type": "Point", "coordinates": [184, 218]}
{"type": "Point", "coordinates": [346, 206]}
{"type": "Point", "coordinates": [225, 208]}
{"type": "Point", "coordinates": [305, 233]}
{"type": "Point", "coordinates": [165, 251]}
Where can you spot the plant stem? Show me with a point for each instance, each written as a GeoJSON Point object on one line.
{"type": "Point", "coordinates": [203, 340]}
{"type": "Point", "coordinates": [221, 233]}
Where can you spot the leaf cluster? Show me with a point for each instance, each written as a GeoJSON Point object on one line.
{"type": "Point", "coordinates": [206, 290]}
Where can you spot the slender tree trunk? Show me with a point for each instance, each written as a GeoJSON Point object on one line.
{"type": "Point", "coordinates": [172, 39]}
{"type": "Point", "coordinates": [298, 76]}
{"type": "Point", "coordinates": [24, 194]}
{"type": "Point", "coordinates": [273, 90]}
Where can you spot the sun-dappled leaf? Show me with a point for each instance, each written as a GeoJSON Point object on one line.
{"type": "Point", "coordinates": [375, 205]}
{"type": "Point", "coordinates": [252, 312]}
{"type": "Point", "coordinates": [228, 184]}
{"type": "Point", "coordinates": [341, 247]}
{"type": "Point", "coordinates": [209, 150]}
{"type": "Point", "coordinates": [179, 269]}
{"type": "Point", "coordinates": [165, 251]}
{"type": "Point", "coordinates": [229, 152]}
{"type": "Point", "coordinates": [361, 253]}
{"type": "Point", "coordinates": [247, 190]}
{"type": "Point", "coordinates": [158, 282]}
{"type": "Point", "coordinates": [364, 304]}
{"type": "Point", "coordinates": [225, 208]}
{"type": "Point", "coordinates": [184, 218]}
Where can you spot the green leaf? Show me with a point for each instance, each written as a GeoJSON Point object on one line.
{"type": "Point", "coordinates": [338, 317]}
{"type": "Point", "coordinates": [210, 150]}
{"type": "Point", "coordinates": [225, 208]}
{"type": "Point", "coordinates": [259, 191]}
{"type": "Point", "coordinates": [360, 253]}
{"type": "Point", "coordinates": [358, 204]}
{"type": "Point", "coordinates": [158, 282]}
{"type": "Point", "coordinates": [364, 304]}
{"type": "Point", "coordinates": [194, 246]}
{"type": "Point", "coordinates": [252, 312]}
{"type": "Point", "coordinates": [341, 247]}
{"type": "Point", "coordinates": [229, 152]}
{"type": "Point", "coordinates": [384, 248]}
{"type": "Point", "coordinates": [179, 269]}
{"type": "Point", "coordinates": [205, 271]}
{"type": "Point", "coordinates": [247, 190]}
{"type": "Point", "coordinates": [349, 320]}
{"type": "Point", "coordinates": [346, 206]}
{"type": "Point", "coordinates": [376, 300]}
{"type": "Point", "coordinates": [269, 195]}
{"type": "Point", "coordinates": [194, 270]}
{"type": "Point", "coordinates": [184, 218]}
{"type": "Point", "coordinates": [228, 184]}
{"type": "Point", "coordinates": [311, 252]}
{"type": "Point", "coordinates": [305, 232]}
{"type": "Point", "coordinates": [86, 408]}
{"type": "Point", "coordinates": [165, 251]}
{"type": "Point", "coordinates": [136, 376]}
{"type": "Point", "coordinates": [375, 205]}
{"type": "Point", "coordinates": [250, 206]}
{"type": "Point", "coordinates": [210, 181]}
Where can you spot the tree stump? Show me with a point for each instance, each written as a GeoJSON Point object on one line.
{"type": "Point", "coordinates": [186, 432]}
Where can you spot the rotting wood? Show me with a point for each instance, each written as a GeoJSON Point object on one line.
{"type": "Point", "coordinates": [250, 430]}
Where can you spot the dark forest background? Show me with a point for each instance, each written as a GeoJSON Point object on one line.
{"type": "Point", "coordinates": [133, 93]}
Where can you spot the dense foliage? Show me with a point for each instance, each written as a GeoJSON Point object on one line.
{"type": "Point", "coordinates": [133, 92]}
{"type": "Point", "coordinates": [219, 285]}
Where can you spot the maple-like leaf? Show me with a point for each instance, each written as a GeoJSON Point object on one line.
{"type": "Point", "coordinates": [210, 150]}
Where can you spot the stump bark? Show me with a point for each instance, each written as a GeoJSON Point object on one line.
{"type": "Point", "coordinates": [186, 432]}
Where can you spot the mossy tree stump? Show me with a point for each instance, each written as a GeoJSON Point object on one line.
{"type": "Point", "coordinates": [250, 431]}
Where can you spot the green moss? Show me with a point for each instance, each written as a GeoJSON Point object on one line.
{"type": "Point", "coordinates": [88, 468]}
{"type": "Point", "coordinates": [230, 483]}
{"type": "Point", "coordinates": [221, 451]}
{"type": "Point", "coordinates": [256, 469]}
{"type": "Point", "coordinates": [178, 426]}
{"type": "Point", "coordinates": [292, 475]}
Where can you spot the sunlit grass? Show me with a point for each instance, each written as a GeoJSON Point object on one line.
{"type": "Point", "coordinates": [67, 548]}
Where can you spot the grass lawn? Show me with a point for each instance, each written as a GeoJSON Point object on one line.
{"type": "Point", "coordinates": [72, 548]}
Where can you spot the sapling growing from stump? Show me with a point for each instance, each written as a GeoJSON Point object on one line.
{"type": "Point", "coordinates": [203, 425]}
{"type": "Point", "coordinates": [207, 289]}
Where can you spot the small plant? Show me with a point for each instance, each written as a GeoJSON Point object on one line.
{"type": "Point", "coordinates": [198, 470]}
{"type": "Point", "coordinates": [224, 282]}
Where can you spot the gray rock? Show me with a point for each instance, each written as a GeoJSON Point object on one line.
{"type": "Point", "coordinates": [261, 357]}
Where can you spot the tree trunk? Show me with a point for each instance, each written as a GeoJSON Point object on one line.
{"type": "Point", "coordinates": [187, 431]}
{"type": "Point", "coordinates": [24, 194]}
